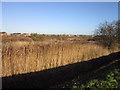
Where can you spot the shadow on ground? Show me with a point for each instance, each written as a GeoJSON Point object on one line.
{"type": "Point", "coordinates": [56, 76]}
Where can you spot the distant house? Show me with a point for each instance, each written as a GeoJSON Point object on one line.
{"type": "Point", "coordinates": [3, 33]}
{"type": "Point", "coordinates": [25, 34]}
{"type": "Point", "coordinates": [69, 35]}
{"type": "Point", "coordinates": [93, 35]}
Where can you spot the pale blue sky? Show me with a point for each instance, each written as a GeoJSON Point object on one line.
{"type": "Point", "coordinates": [56, 18]}
{"type": "Point", "coordinates": [0, 15]}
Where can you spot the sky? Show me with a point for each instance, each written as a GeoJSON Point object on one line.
{"type": "Point", "coordinates": [56, 17]}
{"type": "Point", "coordinates": [0, 15]}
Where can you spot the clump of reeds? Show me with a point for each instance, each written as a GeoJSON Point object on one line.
{"type": "Point", "coordinates": [30, 56]}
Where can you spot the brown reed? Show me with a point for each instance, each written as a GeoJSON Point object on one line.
{"type": "Point", "coordinates": [29, 56]}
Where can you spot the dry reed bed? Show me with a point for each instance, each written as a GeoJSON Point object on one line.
{"type": "Point", "coordinates": [23, 57]}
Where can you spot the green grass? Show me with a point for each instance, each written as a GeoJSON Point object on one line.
{"type": "Point", "coordinates": [112, 80]}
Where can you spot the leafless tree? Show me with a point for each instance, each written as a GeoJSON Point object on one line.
{"type": "Point", "coordinates": [108, 34]}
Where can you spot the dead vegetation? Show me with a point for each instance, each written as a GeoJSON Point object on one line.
{"type": "Point", "coordinates": [24, 56]}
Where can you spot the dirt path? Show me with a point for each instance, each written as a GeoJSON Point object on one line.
{"type": "Point", "coordinates": [96, 74]}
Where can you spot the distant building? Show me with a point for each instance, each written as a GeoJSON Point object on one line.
{"type": "Point", "coordinates": [3, 33]}
{"type": "Point", "coordinates": [69, 35]}
{"type": "Point", "coordinates": [25, 34]}
{"type": "Point", "coordinates": [93, 35]}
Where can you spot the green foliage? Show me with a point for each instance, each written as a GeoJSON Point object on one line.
{"type": "Point", "coordinates": [34, 34]}
{"type": "Point", "coordinates": [37, 37]}
{"type": "Point", "coordinates": [112, 80]}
